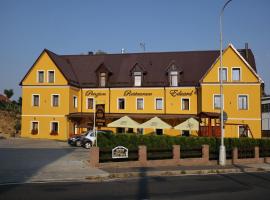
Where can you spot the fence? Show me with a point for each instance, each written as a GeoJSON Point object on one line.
{"type": "Point", "coordinates": [142, 157]}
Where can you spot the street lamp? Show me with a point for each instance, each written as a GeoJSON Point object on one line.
{"type": "Point", "coordinates": [94, 124]}
{"type": "Point", "coordinates": [222, 150]}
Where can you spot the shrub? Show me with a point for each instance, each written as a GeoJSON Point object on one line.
{"type": "Point", "coordinates": [132, 141]}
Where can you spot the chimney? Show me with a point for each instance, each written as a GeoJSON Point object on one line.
{"type": "Point", "coordinates": [246, 50]}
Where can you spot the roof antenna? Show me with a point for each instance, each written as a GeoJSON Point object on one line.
{"type": "Point", "coordinates": [142, 45]}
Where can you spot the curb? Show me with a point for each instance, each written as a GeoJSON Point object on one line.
{"type": "Point", "coordinates": [130, 175]}
{"type": "Point", "coordinates": [126, 175]}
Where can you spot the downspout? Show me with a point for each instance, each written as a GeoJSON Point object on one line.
{"type": "Point", "coordinates": [81, 109]}
{"type": "Point", "coordinates": [164, 95]}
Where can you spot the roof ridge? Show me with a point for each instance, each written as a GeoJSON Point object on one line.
{"type": "Point", "coordinates": [138, 53]}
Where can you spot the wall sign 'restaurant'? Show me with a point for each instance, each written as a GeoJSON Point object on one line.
{"type": "Point", "coordinates": [130, 93]}
{"type": "Point", "coordinates": [119, 152]}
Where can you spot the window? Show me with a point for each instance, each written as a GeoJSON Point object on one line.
{"type": "Point", "coordinates": [236, 74]}
{"type": "Point", "coordinates": [54, 128]}
{"type": "Point", "coordinates": [137, 78]}
{"type": "Point", "coordinates": [34, 128]}
{"type": "Point", "coordinates": [75, 101]}
{"type": "Point", "coordinates": [121, 104]}
{"type": "Point", "coordinates": [266, 107]}
{"type": "Point", "coordinates": [140, 131]}
{"type": "Point", "coordinates": [243, 131]}
{"type": "Point", "coordinates": [159, 103]}
{"type": "Point", "coordinates": [90, 103]}
{"type": "Point", "coordinates": [173, 78]}
{"type": "Point", "coordinates": [159, 131]}
{"type": "Point", "coordinates": [120, 130]}
{"type": "Point", "coordinates": [242, 102]}
{"type": "Point", "coordinates": [130, 130]}
{"type": "Point", "coordinates": [51, 76]}
{"type": "Point", "coordinates": [35, 100]}
{"type": "Point", "coordinates": [217, 101]}
{"type": "Point", "coordinates": [140, 104]}
{"type": "Point", "coordinates": [41, 76]}
{"type": "Point", "coordinates": [185, 133]}
{"type": "Point", "coordinates": [55, 100]}
{"type": "Point", "coordinates": [224, 74]}
{"type": "Point", "coordinates": [102, 79]}
{"type": "Point", "coordinates": [185, 104]}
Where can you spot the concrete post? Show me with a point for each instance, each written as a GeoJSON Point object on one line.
{"type": "Point", "coordinates": [176, 152]}
{"type": "Point", "coordinates": [143, 155]}
{"type": "Point", "coordinates": [205, 152]}
{"type": "Point", "coordinates": [94, 156]}
{"type": "Point", "coordinates": [235, 155]}
{"type": "Point", "coordinates": [257, 153]}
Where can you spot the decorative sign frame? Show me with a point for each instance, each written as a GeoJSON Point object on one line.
{"type": "Point", "coordinates": [119, 152]}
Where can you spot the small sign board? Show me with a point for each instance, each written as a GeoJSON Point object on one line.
{"type": "Point", "coordinates": [100, 115]}
{"type": "Point", "coordinates": [119, 152]}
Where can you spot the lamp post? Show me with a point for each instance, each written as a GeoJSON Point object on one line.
{"type": "Point", "coordinates": [222, 150]}
{"type": "Point", "coordinates": [94, 123]}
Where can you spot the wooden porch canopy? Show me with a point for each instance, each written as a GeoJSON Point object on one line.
{"type": "Point", "coordinates": [209, 130]}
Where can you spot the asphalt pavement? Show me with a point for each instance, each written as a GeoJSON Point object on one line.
{"type": "Point", "coordinates": [33, 160]}
{"type": "Point", "coordinates": [202, 187]}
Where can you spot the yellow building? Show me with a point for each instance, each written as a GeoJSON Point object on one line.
{"type": "Point", "coordinates": [172, 89]}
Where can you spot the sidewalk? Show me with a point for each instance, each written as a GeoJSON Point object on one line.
{"type": "Point", "coordinates": [119, 173]}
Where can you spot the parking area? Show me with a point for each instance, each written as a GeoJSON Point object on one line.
{"type": "Point", "coordinates": [27, 160]}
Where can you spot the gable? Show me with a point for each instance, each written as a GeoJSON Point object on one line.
{"type": "Point", "coordinates": [46, 64]}
{"type": "Point", "coordinates": [231, 59]}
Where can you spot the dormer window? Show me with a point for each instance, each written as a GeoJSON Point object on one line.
{"type": "Point", "coordinates": [173, 78]}
{"type": "Point", "coordinates": [102, 79]}
{"type": "Point", "coordinates": [137, 78]}
{"type": "Point", "coordinates": [137, 72]}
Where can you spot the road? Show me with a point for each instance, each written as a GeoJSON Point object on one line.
{"type": "Point", "coordinates": [24, 160]}
{"type": "Point", "coordinates": [223, 186]}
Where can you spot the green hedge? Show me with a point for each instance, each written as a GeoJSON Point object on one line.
{"type": "Point", "coordinates": [132, 141]}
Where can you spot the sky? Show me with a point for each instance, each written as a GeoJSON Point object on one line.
{"type": "Point", "coordinates": [80, 26]}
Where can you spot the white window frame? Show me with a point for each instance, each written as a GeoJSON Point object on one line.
{"type": "Point", "coordinates": [101, 79]}
{"type": "Point", "coordinates": [136, 75]}
{"type": "Point", "coordinates": [182, 98]}
{"type": "Point", "coordinates": [48, 76]}
{"type": "Point", "coordinates": [175, 73]}
{"type": "Point", "coordinates": [137, 103]}
{"type": "Point", "coordinates": [31, 125]}
{"type": "Point", "coordinates": [156, 103]}
{"type": "Point", "coordinates": [239, 131]}
{"type": "Point", "coordinates": [118, 103]}
{"type": "Point", "coordinates": [240, 74]}
{"type": "Point", "coordinates": [87, 105]}
{"type": "Point", "coordinates": [58, 100]}
{"type": "Point", "coordinates": [58, 127]}
{"type": "Point", "coordinates": [43, 75]}
{"type": "Point", "coordinates": [33, 100]}
{"type": "Point", "coordinates": [214, 101]}
{"type": "Point", "coordinates": [75, 103]}
{"type": "Point", "coordinates": [238, 101]}
{"type": "Point", "coordinates": [226, 74]}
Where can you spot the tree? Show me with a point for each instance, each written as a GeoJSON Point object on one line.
{"type": "Point", "coordinates": [19, 101]}
{"type": "Point", "coordinates": [9, 93]}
